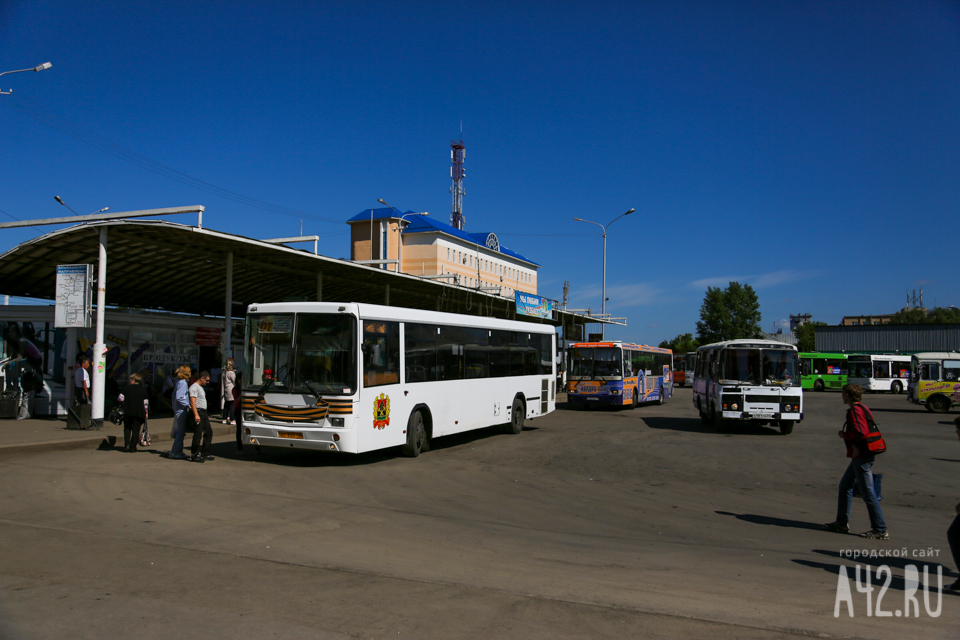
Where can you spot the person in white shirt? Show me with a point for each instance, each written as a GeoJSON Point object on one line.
{"type": "Point", "coordinates": [81, 379]}
{"type": "Point", "coordinates": [198, 407]}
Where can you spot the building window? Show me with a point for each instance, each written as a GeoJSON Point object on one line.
{"type": "Point", "coordinates": [448, 254]}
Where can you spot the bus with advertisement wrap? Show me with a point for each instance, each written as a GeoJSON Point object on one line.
{"type": "Point", "coordinates": [748, 381]}
{"type": "Point", "coordinates": [618, 373]}
{"type": "Point", "coordinates": [935, 380]}
{"type": "Point", "coordinates": [351, 377]}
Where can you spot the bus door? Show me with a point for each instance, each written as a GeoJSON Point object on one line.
{"type": "Point", "coordinates": [630, 378]}
{"type": "Point", "coordinates": [383, 409]}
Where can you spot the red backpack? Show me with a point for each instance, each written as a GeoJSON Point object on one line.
{"type": "Point", "coordinates": [874, 439]}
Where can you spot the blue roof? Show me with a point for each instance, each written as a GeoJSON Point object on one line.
{"type": "Point", "coordinates": [426, 224]}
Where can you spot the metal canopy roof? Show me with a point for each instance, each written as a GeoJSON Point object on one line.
{"type": "Point", "coordinates": [156, 264]}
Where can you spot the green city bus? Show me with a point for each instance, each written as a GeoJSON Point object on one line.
{"type": "Point", "coordinates": [820, 371]}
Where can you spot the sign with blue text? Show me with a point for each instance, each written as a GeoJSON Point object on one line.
{"type": "Point", "coordinates": [530, 305]}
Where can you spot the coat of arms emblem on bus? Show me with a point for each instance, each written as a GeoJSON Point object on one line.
{"type": "Point", "coordinates": [381, 411]}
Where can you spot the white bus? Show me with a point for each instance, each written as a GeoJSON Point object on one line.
{"type": "Point", "coordinates": [748, 380]}
{"type": "Point", "coordinates": [879, 372]}
{"type": "Point", "coordinates": [353, 377]}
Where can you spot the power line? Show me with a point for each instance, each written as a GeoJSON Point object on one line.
{"type": "Point", "coordinates": [50, 118]}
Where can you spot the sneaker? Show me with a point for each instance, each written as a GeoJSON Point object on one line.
{"type": "Point", "coordinates": [836, 527]}
{"type": "Point", "coordinates": [208, 458]}
{"type": "Point", "coordinates": [179, 456]}
{"type": "Point", "coordinates": [876, 535]}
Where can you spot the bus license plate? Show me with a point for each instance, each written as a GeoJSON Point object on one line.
{"type": "Point", "coordinates": [588, 388]}
{"type": "Point", "coordinates": [290, 434]}
{"type": "Point", "coordinates": [763, 415]}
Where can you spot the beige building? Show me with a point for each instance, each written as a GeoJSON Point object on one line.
{"type": "Point", "coordinates": [865, 321]}
{"type": "Point", "coordinates": [432, 248]}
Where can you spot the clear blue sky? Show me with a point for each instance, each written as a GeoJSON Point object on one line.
{"type": "Point", "coordinates": [811, 149]}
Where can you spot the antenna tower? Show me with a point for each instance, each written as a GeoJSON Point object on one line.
{"type": "Point", "coordinates": [457, 153]}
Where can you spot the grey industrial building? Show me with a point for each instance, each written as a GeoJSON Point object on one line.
{"type": "Point", "coordinates": [889, 338]}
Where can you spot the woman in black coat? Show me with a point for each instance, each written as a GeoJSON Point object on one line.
{"type": "Point", "coordinates": [134, 413]}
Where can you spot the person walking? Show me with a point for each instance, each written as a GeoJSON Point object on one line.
{"type": "Point", "coordinates": [198, 406]}
{"type": "Point", "coordinates": [135, 412]}
{"type": "Point", "coordinates": [953, 533]}
{"type": "Point", "coordinates": [859, 472]}
{"type": "Point", "coordinates": [228, 380]}
{"type": "Point", "coordinates": [181, 411]}
{"type": "Point", "coordinates": [81, 380]}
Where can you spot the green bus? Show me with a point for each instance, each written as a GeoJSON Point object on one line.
{"type": "Point", "coordinates": [820, 371]}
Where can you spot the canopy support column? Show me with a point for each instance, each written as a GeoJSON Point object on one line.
{"type": "Point", "coordinates": [99, 357]}
{"type": "Point", "coordinates": [228, 310]}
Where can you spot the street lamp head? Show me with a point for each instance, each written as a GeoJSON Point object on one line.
{"type": "Point", "coordinates": [45, 65]}
{"type": "Point", "coordinates": [380, 200]}
{"type": "Point", "coordinates": [57, 198]}
{"type": "Point", "coordinates": [629, 212]}
{"type": "Point", "coordinates": [579, 219]}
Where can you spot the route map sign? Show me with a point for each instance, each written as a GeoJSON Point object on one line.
{"type": "Point", "coordinates": [74, 296]}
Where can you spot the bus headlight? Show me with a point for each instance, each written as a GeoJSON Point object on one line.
{"type": "Point", "coordinates": [615, 392]}
{"type": "Point", "coordinates": [336, 422]}
{"type": "Point", "coordinates": [249, 416]}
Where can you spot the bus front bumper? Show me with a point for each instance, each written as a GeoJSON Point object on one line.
{"type": "Point", "coordinates": [604, 399]}
{"type": "Point", "coordinates": [761, 415]}
{"type": "Point", "coordinates": [292, 437]}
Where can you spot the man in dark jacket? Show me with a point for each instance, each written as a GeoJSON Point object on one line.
{"type": "Point", "coordinates": [134, 412]}
{"type": "Point", "coordinates": [860, 471]}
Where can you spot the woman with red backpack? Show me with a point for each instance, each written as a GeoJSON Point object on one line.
{"type": "Point", "coordinates": [861, 441]}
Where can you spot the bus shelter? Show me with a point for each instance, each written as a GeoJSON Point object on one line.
{"type": "Point", "coordinates": [194, 272]}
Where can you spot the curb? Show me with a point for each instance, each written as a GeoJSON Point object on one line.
{"type": "Point", "coordinates": [95, 441]}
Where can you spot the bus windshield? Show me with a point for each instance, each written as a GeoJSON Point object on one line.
{"type": "Point", "coordinates": [309, 353]}
{"type": "Point", "coordinates": [759, 366]}
{"type": "Point", "coordinates": [595, 362]}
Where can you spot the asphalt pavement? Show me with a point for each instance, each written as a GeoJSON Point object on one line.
{"type": "Point", "coordinates": [589, 524]}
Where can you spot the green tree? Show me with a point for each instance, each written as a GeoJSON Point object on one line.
{"type": "Point", "coordinates": [806, 335]}
{"type": "Point", "coordinates": [683, 343]}
{"type": "Point", "coordinates": [729, 314]}
{"type": "Point", "coordinates": [937, 315]}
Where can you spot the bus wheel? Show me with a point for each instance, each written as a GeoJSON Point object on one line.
{"type": "Point", "coordinates": [718, 423]}
{"type": "Point", "coordinates": [938, 404]}
{"type": "Point", "coordinates": [818, 385]}
{"type": "Point", "coordinates": [416, 434]}
{"type": "Point", "coordinates": [662, 399]}
{"type": "Point", "coordinates": [786, 427]}
{"type": "Point", "coordinates": [633, 405]}
{"type": "Point", "coordinates": [517, 415]}
{"type": "Point", "coordinates": [896, 387]}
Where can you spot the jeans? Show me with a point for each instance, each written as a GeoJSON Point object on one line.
{"type": "Point", "coordinates": [953, 537]}
{"type": "Point", "coordinates": [859, 473]}
{"type": "Point", "coordinates": [181, 418]}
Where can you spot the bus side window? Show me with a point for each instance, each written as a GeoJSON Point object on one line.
{"type": "Point", "coordinates": [951, 370]}
{"type": "Point", "coordinates": [381, 353]}
{"type": "Point", "coordinates": [930, 371]}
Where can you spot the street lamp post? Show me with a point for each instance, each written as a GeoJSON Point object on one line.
{"type": "Point", "coordinates": [45, 65]}
{"type": "Point", "coordinates": [400, 230]}
{"type": "Point", "coordinates": [603, 302]}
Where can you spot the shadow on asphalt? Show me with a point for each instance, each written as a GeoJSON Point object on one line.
{"type": "Point", "coordinates": [945, 460]}
{"type": "Point", "coordinates": [301, 458]}
{"type": "Point", "coordinates": [885, 580]}
{"type": "Point", "coordinates": [777, 522]}
{"type": "Point", "coordinates": [695, 425]}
